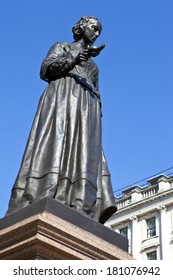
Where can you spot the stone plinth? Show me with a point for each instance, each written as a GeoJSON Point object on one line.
{"type": "Point", "coordinates": [50, 230]}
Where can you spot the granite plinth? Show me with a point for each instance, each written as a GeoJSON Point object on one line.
{"type": "Point", "coordinates": [48, 229]}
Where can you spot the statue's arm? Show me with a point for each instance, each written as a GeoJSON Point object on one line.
{"type": "Point", "coordinates": [58, 62]}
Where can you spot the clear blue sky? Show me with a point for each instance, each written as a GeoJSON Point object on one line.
{"type": "Point", "coordinates": [136, 80]}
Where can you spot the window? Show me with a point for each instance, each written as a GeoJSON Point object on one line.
{"type": "Point", "coordinates": [152, 255]}
{"type": "Point", "coordinates": [151, 227]}
{"type": "Point", "coordinates": [124, 232]}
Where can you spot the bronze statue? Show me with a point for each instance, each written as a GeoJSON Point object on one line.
{"type": "Point", "coordinates": [63, 158]}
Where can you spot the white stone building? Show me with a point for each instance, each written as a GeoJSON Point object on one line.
{"type": "Point", "coordinates": [145, 217]}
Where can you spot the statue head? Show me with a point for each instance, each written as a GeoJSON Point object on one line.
{"type": "Point", "coordinates": [85, 21]}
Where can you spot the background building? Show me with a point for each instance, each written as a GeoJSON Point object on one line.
{"type": "Point", "coordinates": [145, 217]}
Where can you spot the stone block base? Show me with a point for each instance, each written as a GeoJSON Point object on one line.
{"type": "Point", "coordinates": [35, 232]}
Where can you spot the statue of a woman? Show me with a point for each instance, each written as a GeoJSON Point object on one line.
{"type": "Point", "coordinates": [63, 158]}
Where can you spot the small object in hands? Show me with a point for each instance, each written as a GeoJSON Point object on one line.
{"type": "Point", "coordinates": [94, 50]}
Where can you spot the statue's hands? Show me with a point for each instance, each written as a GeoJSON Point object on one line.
{"type": "Point", "coordinates": [86, 54]}
{"type": "Point", "coordinates": [82, 56]}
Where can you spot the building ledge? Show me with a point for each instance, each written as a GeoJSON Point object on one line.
{"type": "Point", "coordinates": [150, 242]}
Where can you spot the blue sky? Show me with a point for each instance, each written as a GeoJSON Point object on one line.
{"type": "Point", "coordinates": [136, 81]}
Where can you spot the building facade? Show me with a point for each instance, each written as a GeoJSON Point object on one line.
{"type": "Point", "coordinates": [145, 217]}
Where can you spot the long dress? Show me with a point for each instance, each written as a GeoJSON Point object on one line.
{"type": "Point", "coordinates": [63, 158]}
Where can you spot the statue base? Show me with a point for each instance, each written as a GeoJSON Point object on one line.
{"type": "Point", "coordinates": [49, 230]}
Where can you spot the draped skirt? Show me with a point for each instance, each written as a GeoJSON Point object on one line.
{"type": "Point", "coordinates": [63, 158]}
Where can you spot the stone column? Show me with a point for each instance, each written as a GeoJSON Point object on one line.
{"type": "Point", "coordinates": [162, 233]}
{"type": "Point", "coordinates": [171, 226]}
{"type": "Point", "coordinates": [130, 237]}
{"type": "Point", "coordinates": [134, 237]}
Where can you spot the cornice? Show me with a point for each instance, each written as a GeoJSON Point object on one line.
{"type": "Point", "coordinates": [144, 201]}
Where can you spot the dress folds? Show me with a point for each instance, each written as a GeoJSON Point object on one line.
{"type": "Point", "coordinates": [63, 158]}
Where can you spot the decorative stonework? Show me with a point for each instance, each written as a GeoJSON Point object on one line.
{"type": "Point", "coordinates": [162, 208]}
{"type": "Point", "coordinates": [134, 218]}
{"type": "Point", "coordinates": [150, 194]}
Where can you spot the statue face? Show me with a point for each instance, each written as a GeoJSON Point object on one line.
{"type": "Point", "coordinates": [92, 31]}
